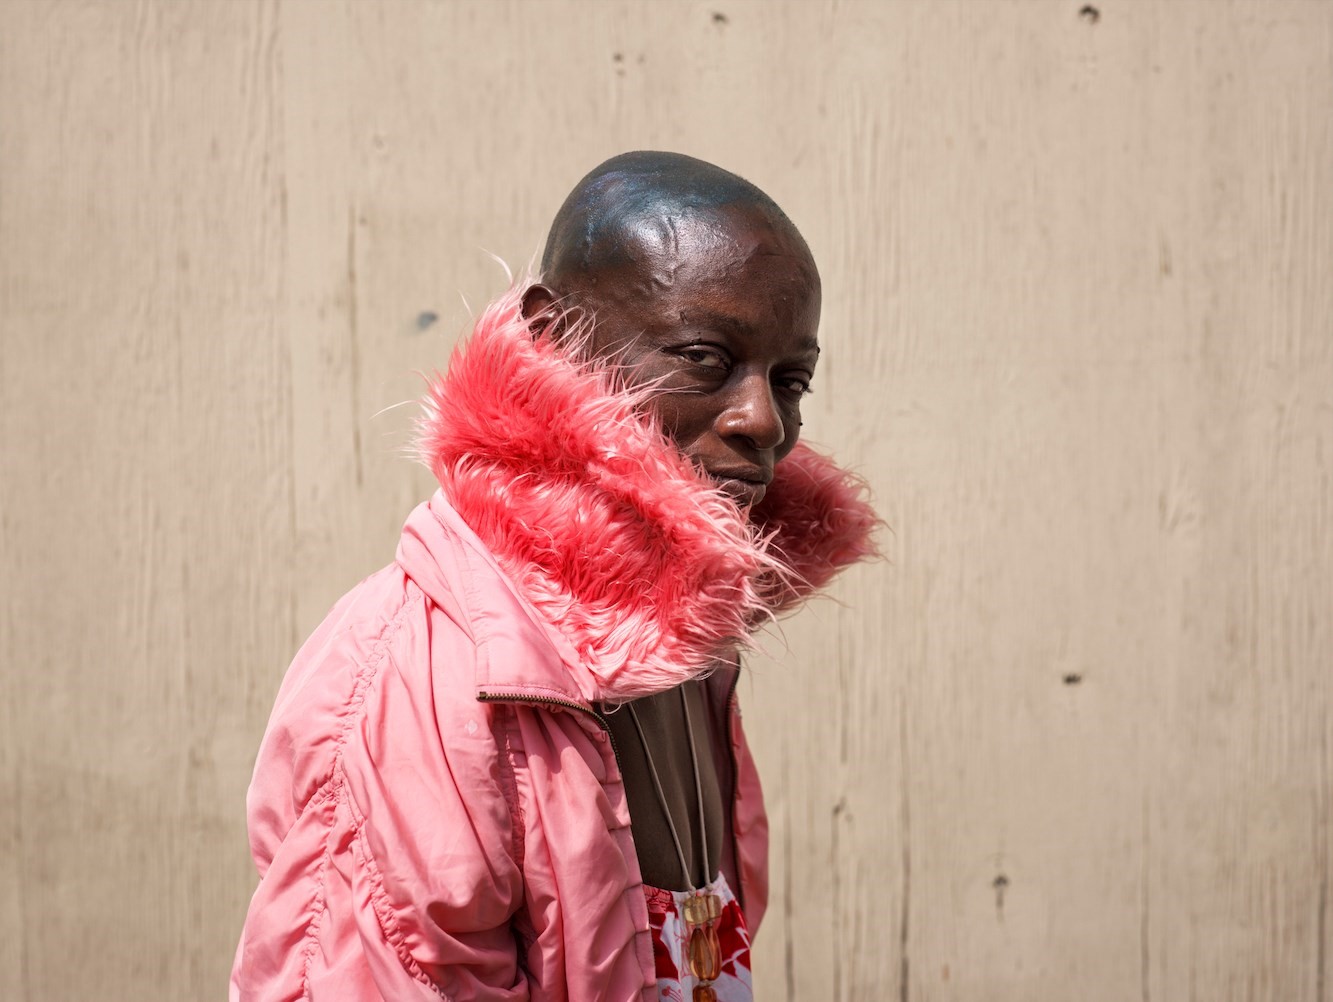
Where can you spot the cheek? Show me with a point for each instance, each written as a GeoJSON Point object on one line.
{"type": "Point", "coordinates": [684, 418]}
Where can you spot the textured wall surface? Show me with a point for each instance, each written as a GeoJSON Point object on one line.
{"type": "Point", "coordinates": [1072, 740]}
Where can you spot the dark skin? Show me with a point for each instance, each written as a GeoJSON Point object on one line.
{"type": "Point", "coordinates": [722, 306]}
{"type": "Point", "coordinates": [720, 303]}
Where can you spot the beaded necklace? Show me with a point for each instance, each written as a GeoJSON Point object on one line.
{"type": "Point", "coordinates": [701, 910]}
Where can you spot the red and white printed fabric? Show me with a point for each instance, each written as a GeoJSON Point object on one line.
{"type": "Point", "coordinates": [675, 982]}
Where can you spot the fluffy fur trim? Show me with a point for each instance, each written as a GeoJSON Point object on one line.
{"type": "Point", "coordinates": [607, 530]}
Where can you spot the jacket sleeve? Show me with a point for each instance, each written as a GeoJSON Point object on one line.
{"type": "Point", "coordinates": [380, 823]}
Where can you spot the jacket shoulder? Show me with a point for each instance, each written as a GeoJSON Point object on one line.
{"type": "Point", "coordinates": [378, 814]}
{"type": "Point", "coordinates": [322, 694]}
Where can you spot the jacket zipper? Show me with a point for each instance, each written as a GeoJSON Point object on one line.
{"type": "Point", "coordinates": [514, 697]}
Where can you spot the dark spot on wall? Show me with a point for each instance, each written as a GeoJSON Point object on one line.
{"type": "Point", "coordinates": [427, 319]}
{"type": "Point", "coordinates": [1090, 13]}
{"type": "Point", "coordinates": [617, 57]}
{"type": "Point", "coordinates": [720, 18]}
{"type": "Point", "coordinates": [1000, 884]}
{"type": "Point", "coordinates": [1073, 678]}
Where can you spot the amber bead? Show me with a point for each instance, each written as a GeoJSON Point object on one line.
{"type": "Point", "coordinates": [705, 954]}
{"type": "Point", "coordinates": [701, 908]}
{"type": "Point", "coordinates": [713, 906]}
{"type": "Point", "coordinates": [704, 993]}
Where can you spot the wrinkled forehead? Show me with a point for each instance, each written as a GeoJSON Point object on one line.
{"type": "Point", "coordinates": [657, 236]}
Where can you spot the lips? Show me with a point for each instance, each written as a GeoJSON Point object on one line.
{"type": "Point", "coordinates": [746, 486]}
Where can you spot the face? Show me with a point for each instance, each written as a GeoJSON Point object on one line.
{"type": "Point", "coordinates": [720, 311]}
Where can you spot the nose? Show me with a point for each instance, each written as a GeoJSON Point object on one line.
{"type": "Point", "coordinates": [751, 413]}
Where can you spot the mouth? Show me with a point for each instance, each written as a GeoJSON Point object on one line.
{"type": "Point", "coordinates": [745, 487]}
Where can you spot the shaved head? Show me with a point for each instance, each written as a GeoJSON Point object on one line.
{"type": "Point", "coordinates": [699, 287]}
{"type": "Point", "coordinates": [634, 203]}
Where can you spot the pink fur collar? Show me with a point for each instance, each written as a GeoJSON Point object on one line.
{"type": "Point", "coordinates": [605, 528]}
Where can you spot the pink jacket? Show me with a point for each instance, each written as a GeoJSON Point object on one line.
{"type": "Point", "coordinates": [436, 810]}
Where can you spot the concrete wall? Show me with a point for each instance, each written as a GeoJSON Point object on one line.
{"type": "Point", "coordinates": [1071, 741]}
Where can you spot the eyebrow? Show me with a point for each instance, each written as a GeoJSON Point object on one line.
{"type": "Point", "coordinates": [725, 322]}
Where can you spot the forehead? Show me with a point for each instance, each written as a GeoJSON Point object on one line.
{"type": "Point", "coordinates": [738, 231]}
{"type": "Point", "coordinates": [740, 258]}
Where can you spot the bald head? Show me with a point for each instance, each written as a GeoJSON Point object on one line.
{"type": "Point", "coordinates": [634, 204]}
{"type": "Point", "coordinates": [701, 289]}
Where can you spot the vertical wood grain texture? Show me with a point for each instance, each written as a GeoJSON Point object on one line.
{"type": "Point", "coordinates": [1071, 740]}
{"type": "Point", "coordinates": [146, 414]}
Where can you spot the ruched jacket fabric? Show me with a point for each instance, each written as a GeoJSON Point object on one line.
{"type": "Point", "coordinates": [436, 810]}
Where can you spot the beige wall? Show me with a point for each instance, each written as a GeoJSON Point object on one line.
{"type": "Point", "coordinates": [1072, 741]}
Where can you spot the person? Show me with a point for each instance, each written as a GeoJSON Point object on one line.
{"type": "Point", "coordinates": [511, 765]}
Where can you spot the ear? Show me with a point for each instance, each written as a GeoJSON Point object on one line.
{"type": "Point", "coordinates": [548, 312]}
{"type": "Point", "coordinates": [540, 307]}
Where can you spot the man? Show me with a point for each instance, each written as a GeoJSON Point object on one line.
{"type": "Point", "coordinates": [510, 765]}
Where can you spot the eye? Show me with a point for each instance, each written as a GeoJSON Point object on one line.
{"type": "Point", "coordinates": [796, 385]}
{"type": "Point", "coordinates": [705, 357]}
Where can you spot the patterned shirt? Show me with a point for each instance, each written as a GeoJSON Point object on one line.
{"type": "Point", "coordinates": [671, 946]}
